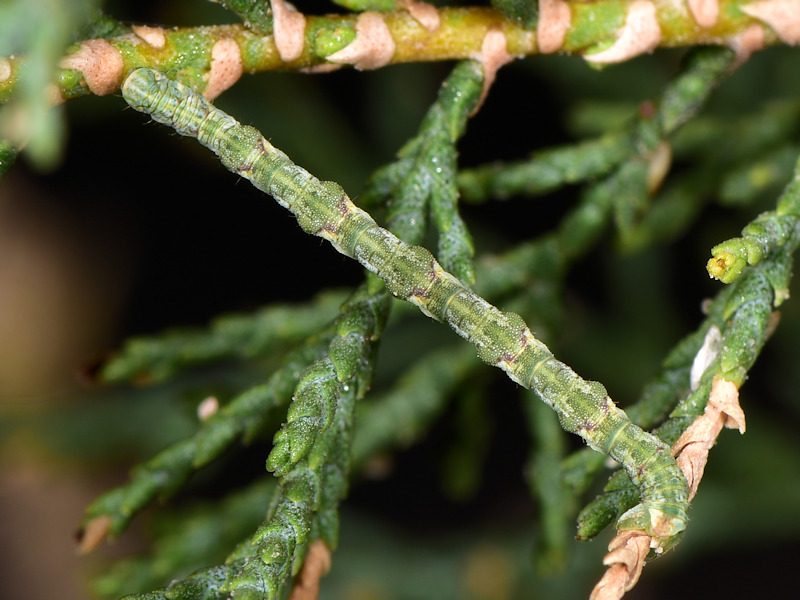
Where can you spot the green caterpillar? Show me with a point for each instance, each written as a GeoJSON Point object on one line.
{"type": "Point", "coordinates": [413, 274]}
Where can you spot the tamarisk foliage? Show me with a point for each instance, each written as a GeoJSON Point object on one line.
{"type": "Point", "coordinates": [627, 161]}
{"type": "Point", "coordinates": [243, 417]}
{"type": "Point", "coordinates": [311, 453]}
{"type": "Point", "coordinates": [312, 417]}
{"type": "Point", "coordinates": [257, 16]}
{"type": "Point", "coordinates": [765, 235]}
{"type": "Point", "coordinates": [424, 177]}
{"type": "Point", "coordinates": [312, 459]}
{"type": "Point", "coordinates": [411, 273]}
{"type": "Point", "coordinates": [202, 535]}
{"type": "Point", "coordinates": [742, 313]}
{"type": "Point", "coordinates": [635, 160]}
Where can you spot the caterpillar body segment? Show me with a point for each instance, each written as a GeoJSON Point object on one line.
{"type": "Point", "coordinates": [412, 273]}
{"type": "Point", "coordinates": [662, 487]}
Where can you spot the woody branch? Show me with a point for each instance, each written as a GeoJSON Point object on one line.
{"type": "Point", "coordinates": [211, 59]}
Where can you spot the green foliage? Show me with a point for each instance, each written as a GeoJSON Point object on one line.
{"type": "Point", "coordinates": [40, 31]}
{"type": "Point", "coordinates": [244, 416]}
{"type": "Point", "coordinates": [768, 234]}
{"type": "Point", "coordinates": [325, 412]}
{"type": "Point", "coordinates": [523, 11]}
{"type": "Point", "coordinates": [411, 273]}
{"type": "Point", "coordinates": [250, 336]}
{"type": "Point", "coordinates": [424, 177]}
{"type": "Point", "coordinates": [256, 15]}
{"type": "Point", "coordinates": [202, 534]}
{"type": "Point", "coordinates": [361, 5]}
{"type": "Point", "coordinates": [8, 154]}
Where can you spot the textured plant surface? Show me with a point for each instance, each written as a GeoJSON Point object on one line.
{"type": "Point", "coordinates": [556, 214]}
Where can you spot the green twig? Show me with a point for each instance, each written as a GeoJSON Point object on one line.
{"type": "Point", "coordinates": [423, 179]}
{"type": "Point", "coordinates": [743, 316]}
{"type": "Point", "coordinates": [255, 14]}
{"type": "Point", "coordinates": [244, 416]}
{"type": "Point", "coordinates": [189, 539]}
{"type": "Point", "coordinates": [313, 460]}
{"type": "Point", "coordinates": [245, 336]}
{"type": "Point", "coordinates": [547, 170]}
{"type": "Point", "coordinates": [458, 34]}
{"type": "Point", "coordinates": [8, 155]}
{"type": "Point", "coordinates": [316, 396]}
{"type": "Point", "coordinates": [769, 232]}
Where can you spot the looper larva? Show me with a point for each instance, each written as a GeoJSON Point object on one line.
{"type": "Point", "coordinates": [412, 273]}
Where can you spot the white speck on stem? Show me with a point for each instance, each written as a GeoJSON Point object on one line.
{"type": "Point", "coordinates": [705, 356]}
{"type": "Point", "coordinates": [207, 408]}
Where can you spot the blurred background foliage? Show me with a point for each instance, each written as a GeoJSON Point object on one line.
{"type": "Point", "coordinates": [127, 230]}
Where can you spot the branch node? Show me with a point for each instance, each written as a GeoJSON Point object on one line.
{"type": "Point", "coordinates": [154, 36]}
{"type": "Point", "coordinates": [746, 43]}
{"type": "Point", "coordinates": [494, 54]}
{"type": "Point", "coordinates": [94, 532]}
{"type": "Point", "coordinates": [705, 12]}
{"type": "Point", "coordinates": [554, 21]}
{"type": "Point", "coordinates": [289, 29]}
{"type": "Point", "coordinates": [101, 64]}
{"type": "Point", "coordinates": [226, 67]}
{"type": "Point", "coordinates": [423, 13]}
{"type": "Point", "coordinates": [5, 69]}
{"type": "Point", "coordinates": [660, 162]}
{"type": "Point", "coordinates": [625, 559]}
{"type": "Point", "coordinates": [373, 47]}
{"type": "Point", "coordinates": [316, 564]}
{"type": "Point", "coordinates": [782, 15]}
{"type": "Point", "coordinates": [641, 33]}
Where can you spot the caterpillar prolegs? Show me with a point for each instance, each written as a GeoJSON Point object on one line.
{"type": "Point", "coordinates": [412, 273]}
